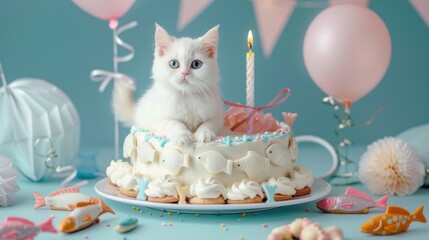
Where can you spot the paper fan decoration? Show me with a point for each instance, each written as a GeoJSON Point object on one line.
{"type": "Point", "coordinates": [8, 186]}
{"type": "Point", "coordinates": [391, 166]}
{"type": "Point", "coordinates": [31, 111]}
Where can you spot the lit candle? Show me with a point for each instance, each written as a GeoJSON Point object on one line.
{"type": "Point", "coordinates": [250, 72]}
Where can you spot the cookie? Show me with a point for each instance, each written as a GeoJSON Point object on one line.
{"type": "Point", "coordinates": [281, 197]}
{"type": "Point", "coordinates": [128, 193]}
{"type": "Point", "coordinates": [166, 199]}
{"type": "Point", "coordinates": [197, 200]}
{"type": "Point", "coordinates": [302, 192]}
{"type": "Point", "coordinates": [256, 199]}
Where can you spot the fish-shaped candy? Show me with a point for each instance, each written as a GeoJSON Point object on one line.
{"type": "Point", "coordinates": [146, 153]}
{"type": "Point", "coordinates": [129, 147]}
{"type": "Point", "coordinates": [61, 199]}
{"type": "Point", "coordinates": [83, 215]}
{"type": "Point", "coordinates": [353, 201]}
{"type": "Point", "coordinates": [394, 220]}
{"type": "Point", "coordinates": [22, 229]}
{"type": "Point", "coordinates": [215, 162]}
{"type": "Point", "coordinates": [173, 160]}
{"type": "Point", "coordinates": [252, 164]}
{"type": "Point", "coordinates": [280, 155]}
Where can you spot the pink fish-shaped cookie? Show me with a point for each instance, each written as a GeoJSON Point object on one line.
{"type": "Point", "coordinates": [353, 201]}
{"type": "Point", "coordinates": [61, 199]}
{"type": "Point", "coordinates": [20, 228]}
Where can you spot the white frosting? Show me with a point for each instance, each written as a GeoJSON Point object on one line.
{"type": "Point", "coordinates": [129, 182]}
{"type": "Point", "coordinates": [116, 171]}
{"type": "Point", "coordinates": [302, 177]}
{"type": "Point", "coordinates": [162, 186]}
{"type": "Point", "coordinates": [284, 185]}
{"type": "Point", "coordinates": [210, 188]}
{"type": "Point", "coordinates": [244, 189]}
{"type": "Point", "coordinates": [113, 165]}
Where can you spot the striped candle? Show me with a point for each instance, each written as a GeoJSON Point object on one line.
{"type": "Point", "coordinates": [250, 72]}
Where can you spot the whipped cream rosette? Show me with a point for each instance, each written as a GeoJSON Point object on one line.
{"type": "Point", "coordinates": [129, 182]}
{"type": "Point", "coordinates": [116, 171]}
{"type": "Point", "coordinates": [244, 189]}
{"type": "Point", "coordinates": [210, 188]}
{"type": "Point", "coordinates": [302, 177]}
{"type": "Point", "coordinates": [162, 187]}
{"type": "Point", "coordinates": [284, 185]}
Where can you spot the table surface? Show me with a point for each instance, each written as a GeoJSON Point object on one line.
{"type": "Point", "coordinates": [154, 224]}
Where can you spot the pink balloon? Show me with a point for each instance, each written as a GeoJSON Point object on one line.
{"type": "Point", "coordinates": [347, 51]}
{"type": "Point", "coordinates": [105, 9]}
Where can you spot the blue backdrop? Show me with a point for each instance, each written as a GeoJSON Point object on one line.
{"type": "Point", "coordinates": [56, 41]}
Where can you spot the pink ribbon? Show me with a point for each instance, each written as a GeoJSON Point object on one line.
{"type": "Point", "coordinates": [277, 100]}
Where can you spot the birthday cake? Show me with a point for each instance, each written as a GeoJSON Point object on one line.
{"type": "Point", "coordinates": [231, 169]}
{"type": "Point", "coordinates": [187, 157]}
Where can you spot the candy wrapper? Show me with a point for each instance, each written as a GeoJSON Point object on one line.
{"type": "Point", "coordinates": [38, 123]}
{"type": "Point", "coordinates": [8, 186]}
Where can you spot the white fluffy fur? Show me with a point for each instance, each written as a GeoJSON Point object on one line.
{"type": "Point", "coordinates": [391, 166]}
{"type": "Point", "coordinates": [183, 108]}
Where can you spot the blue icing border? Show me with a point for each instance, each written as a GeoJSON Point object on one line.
{"type": "Point", "coordinates": [228, 140]}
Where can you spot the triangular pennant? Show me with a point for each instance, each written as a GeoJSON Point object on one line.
{"type": "Point", "coordinates": [272, 16]}
{"type": "Point", "coordinates": [422, 7]}
{"type": "Point", "coordinates": [189, 10]}
{"type": "Point", "coordinates": [363, 3]}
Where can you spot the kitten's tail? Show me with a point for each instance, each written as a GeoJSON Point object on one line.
{"type": "Point", "coordinates": [123, 103]}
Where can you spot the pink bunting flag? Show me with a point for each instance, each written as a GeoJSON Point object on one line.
{"type": "Point", "coordinates": [189, 10]}
{"type": "Point", "coordinates": [272, 16]}
{"type": "Point", "coordinates": [422, 7]}
{"type": "Point", "coordinates": [363, 3]}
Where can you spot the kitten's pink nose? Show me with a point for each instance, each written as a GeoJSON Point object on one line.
{"type": "Point", "coordinates": [185, 74]}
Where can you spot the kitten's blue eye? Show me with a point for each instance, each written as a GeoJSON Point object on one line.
{"type": "Point", "coordinates": [174, 64]}
{"type": "Point", "coordinates": [196, 64]}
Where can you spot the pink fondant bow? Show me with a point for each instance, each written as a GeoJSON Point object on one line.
{"type": "Point", "coordinates": [277, 100]}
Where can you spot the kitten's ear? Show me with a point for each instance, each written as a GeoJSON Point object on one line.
{"type": "Point", "coordinates": [209, 41]}
{"type": "Point", "coordinates": [162, 40]}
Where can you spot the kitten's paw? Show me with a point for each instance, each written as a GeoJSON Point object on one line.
{"type": "Point", "coordinates": [182, 139]}
{"type": "Point", "coordinates": [204, 134]}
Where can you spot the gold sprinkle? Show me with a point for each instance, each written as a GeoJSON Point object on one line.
{"type": "Point", "coordinates": [243, 215]}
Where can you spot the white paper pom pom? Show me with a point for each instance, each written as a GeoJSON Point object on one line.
{"type": "Point", "coordinates": [391, 166]}
{"type": "Point", "coordinates": [8, 186]}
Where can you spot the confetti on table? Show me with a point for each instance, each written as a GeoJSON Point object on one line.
{"type": "Point", "coordinates": [222, 225]}
{"type": "Point", "coordinates": [85, 237]}
{"type": "Point", "coordinates": [243, 215]}
{"type": "Point", "coordinates": [241, 238]}
{"type": "Point", "coordinates": [170, 213]}
{"type": "Point", "coordinates": [197, 215]}
{"type": "Point", "coordinates": [161, 215]}
{"type": "Point", "coordinates": [264, 225]}
{"type": "Point", "coordinates": [164, 224]}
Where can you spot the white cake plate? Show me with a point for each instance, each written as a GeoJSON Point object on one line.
{"type": "Point", "coordinates": [319, 190]}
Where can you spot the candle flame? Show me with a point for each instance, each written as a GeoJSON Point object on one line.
{"type": "Point", "coordinates": [250, 39]}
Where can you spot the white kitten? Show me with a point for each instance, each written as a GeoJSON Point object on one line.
{"type": "Point", "coordinates": [184, 102]}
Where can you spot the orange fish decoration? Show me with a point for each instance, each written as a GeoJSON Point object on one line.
{"type": "Point", "coordinates": [394, 220]}
{"type": "Point", "coordinates": [83, 215]}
